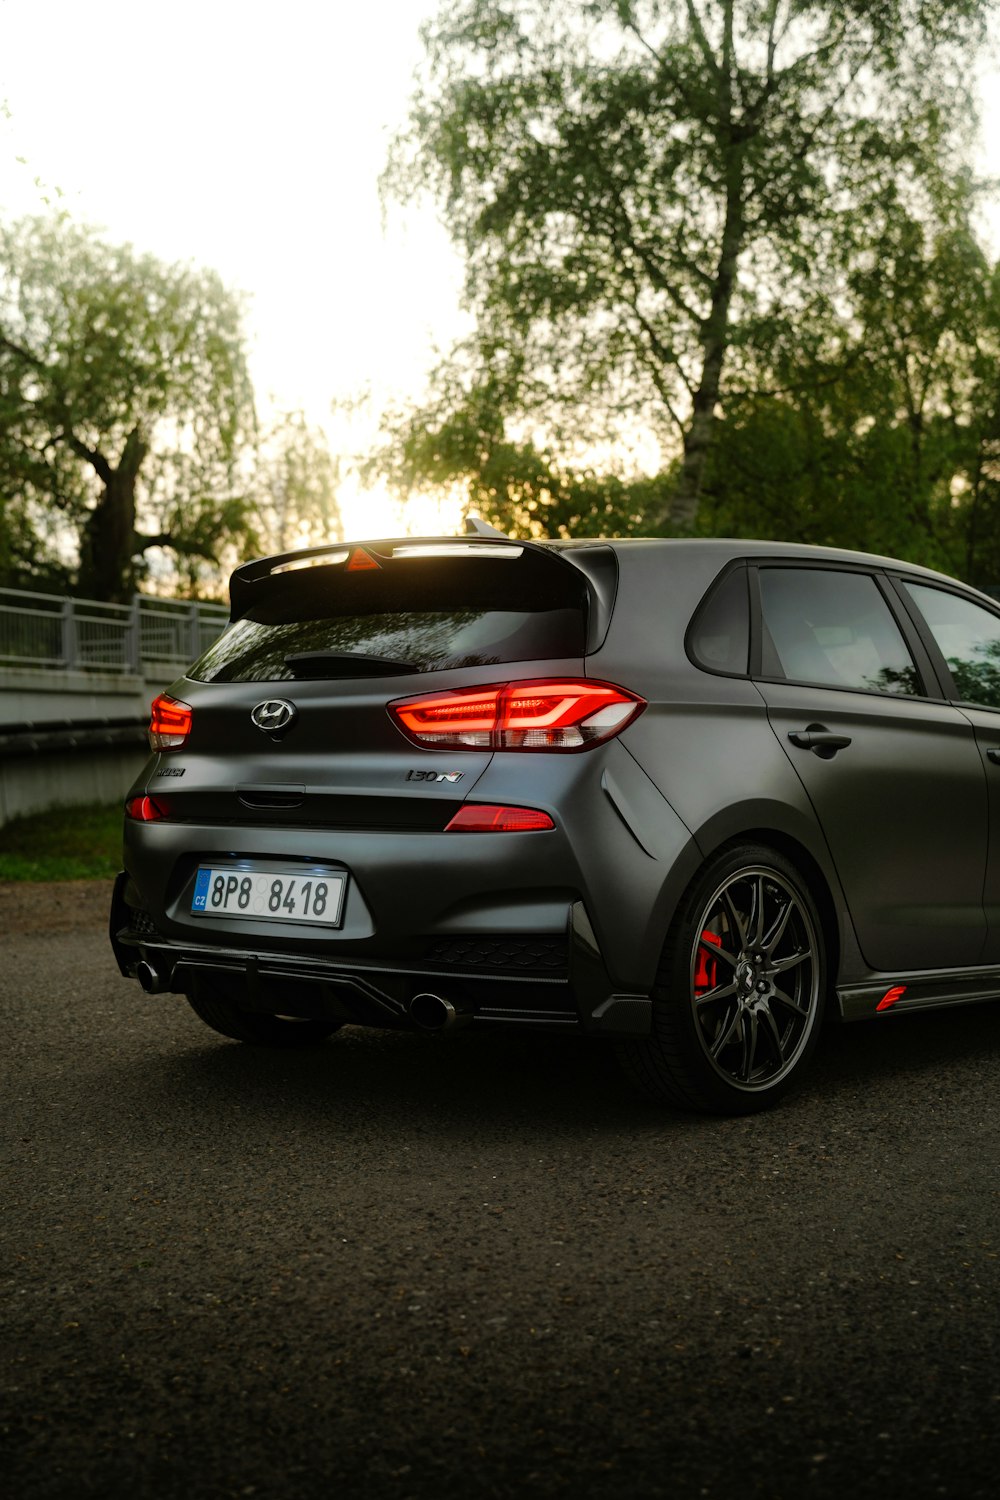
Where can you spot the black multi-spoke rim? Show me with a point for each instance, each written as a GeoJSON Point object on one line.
{"type": "Point", "coordinates": [755, 977]}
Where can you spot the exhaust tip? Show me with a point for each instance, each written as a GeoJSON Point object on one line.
{"type": "Point", "coordinates": [150, 979]}
{"type": "Point", "coordinates": [433, 1012]}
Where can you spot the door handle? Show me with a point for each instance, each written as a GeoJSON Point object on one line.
{"type": "Point", "coordinates": [993, 754]}
{"type": "Point", "coordinates": [819, 740]}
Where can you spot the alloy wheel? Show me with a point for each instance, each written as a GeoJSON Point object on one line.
{"type": "Point", "coordinates": [755, 978]}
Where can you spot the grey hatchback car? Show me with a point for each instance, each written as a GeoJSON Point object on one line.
{"type": "Point", "coordinates": [680, 795]}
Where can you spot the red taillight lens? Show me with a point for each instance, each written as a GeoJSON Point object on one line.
{"type": "Point", "coordinates": [463, 720]}
{"type": "Point", "coordinates": [547, 714]}
{"type": "Point", "coordinates": [486, 817]}
{"type": "Point", "coordinates": [145, 809]}
{"type": "Point", "coordinates": [170, 723]}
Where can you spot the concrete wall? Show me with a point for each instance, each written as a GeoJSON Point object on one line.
{"type": "Point", "coordinates": [67, 778]}
{"type": "Point", "coordinates": [36, 697]}
{"type": "Point", "coordinates": [70, 738]}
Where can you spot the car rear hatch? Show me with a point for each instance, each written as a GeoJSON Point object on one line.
{"type": "Point", "coordinates": [290, 717]}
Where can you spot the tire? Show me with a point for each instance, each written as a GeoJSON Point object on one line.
{"type": "Point", "coordinates": [739, 993]}
{"type": "Point", "coordinates": [229, 1019]}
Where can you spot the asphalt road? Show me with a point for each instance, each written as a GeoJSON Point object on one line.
{"type": "Point", "coordinates": [403, 1266]}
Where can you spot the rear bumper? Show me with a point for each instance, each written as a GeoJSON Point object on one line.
{"type": "Point", "coordinates": [557, 984]}
{"type": "Point", "coordinates": [560, 928]}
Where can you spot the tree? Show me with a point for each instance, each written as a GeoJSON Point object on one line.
{"type": "Point", "coordinates": [298, 479]}
{"type": "Point", "coordinates": [883, 431]}
{"type": "Point", "coordinates": [649, 192]}
{"type": "Point", "coordinates": [126, 409]}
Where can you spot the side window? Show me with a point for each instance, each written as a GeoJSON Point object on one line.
{"type": "Point", "coordinates": [833, 629]}
{"type": "Point", "coordinates": [719, 638]}
{"type": "Point", "coordinates": [969, 640]}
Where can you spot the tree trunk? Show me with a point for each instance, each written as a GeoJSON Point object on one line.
{"type": "Point", "coordinates": [700, 435]}
{"type": "Point", "coordinates": [108, 546]}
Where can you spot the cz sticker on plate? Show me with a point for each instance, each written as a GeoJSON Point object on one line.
{"type": "Point", "coordinates": [270, 895]}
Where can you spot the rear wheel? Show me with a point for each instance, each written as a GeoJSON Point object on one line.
{"type": "Point", "coordinates": [230, 1019]}
{"type": "Point", "coordinates": [740, 988]}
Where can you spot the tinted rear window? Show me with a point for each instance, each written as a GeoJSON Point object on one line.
{"type": "Point", "coordinates": [414, 613]}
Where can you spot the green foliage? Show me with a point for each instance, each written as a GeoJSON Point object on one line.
{"type": "Point", "coordinates": [70, 843]}
{"type": "Point", "coordinates": [125, 404]}
{"type": "Point", "coordinates": [884, 433]}
{"type": "Point", "coordinates": [515, 482]}
{"type": "Point", "coordinates": [298, 480]}
{"type": "Point", "coordinates": [667, 210]}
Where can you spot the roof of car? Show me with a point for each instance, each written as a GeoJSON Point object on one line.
{"type": "Point", "coordinates": [724, 548]}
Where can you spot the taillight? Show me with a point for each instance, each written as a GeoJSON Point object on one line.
{"type": "Point", "coordinates": [145, 809]}
{"type": "Point", "coordinates": [486, 817]}
{"type": "Point", "coordinates": [546, 714]}
{"type": "Point", "coordinates": [170, 723]}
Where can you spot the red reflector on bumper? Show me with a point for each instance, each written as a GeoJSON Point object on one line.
{"type": "Point", "coordinates": [488, 818]}
{"type": "Point", "coordinates": [145, 810]}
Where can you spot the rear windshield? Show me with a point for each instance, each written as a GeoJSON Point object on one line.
{"type": "Point", "coordinates": [411, 614]}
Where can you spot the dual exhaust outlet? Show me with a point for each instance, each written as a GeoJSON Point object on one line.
{"type": "Point", "coordinates": [427, 1011]}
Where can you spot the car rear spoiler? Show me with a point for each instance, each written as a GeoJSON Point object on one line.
{"type": "Point", "coordinates": [596, 561]}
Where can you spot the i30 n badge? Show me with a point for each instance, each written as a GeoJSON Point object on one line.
{"type": "Point", "coordinates": [682, 796]}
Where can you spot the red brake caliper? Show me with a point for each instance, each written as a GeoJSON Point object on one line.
{"type": "Point", "coordinates": [705, 965]}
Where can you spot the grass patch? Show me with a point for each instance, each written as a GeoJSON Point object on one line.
{"type": "Point", "coordinates": [69, 843]}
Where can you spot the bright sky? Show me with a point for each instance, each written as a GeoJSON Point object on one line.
{"type": "Point", "coordinates": [246, 137]}
{"type": "Point", "coordinates": [250, 137]}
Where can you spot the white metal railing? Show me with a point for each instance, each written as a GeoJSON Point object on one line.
{"type": "Point", "coordinates": [56, 633]}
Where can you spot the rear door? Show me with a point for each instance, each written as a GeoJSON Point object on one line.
{"type": "Point", "coordinates": [893, 773]}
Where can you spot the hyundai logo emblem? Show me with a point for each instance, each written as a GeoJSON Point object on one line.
{"type": "Point", "coordinates": [274, 716]}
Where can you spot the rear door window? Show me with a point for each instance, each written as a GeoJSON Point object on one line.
{"type": "Point", "coordinates": [832, 629]}
{"type": "Point", "coordinates": [407, 614]}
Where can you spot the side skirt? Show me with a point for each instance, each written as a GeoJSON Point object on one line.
{"type": "Point", "coordinates": [891, 994]}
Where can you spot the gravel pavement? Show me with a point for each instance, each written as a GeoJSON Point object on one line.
{"type": "Point", "coordinates": [478, 1267]}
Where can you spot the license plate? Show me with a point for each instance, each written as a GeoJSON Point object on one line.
{"type": "Point", "coordinates": [270, 895]}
